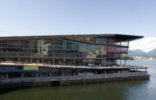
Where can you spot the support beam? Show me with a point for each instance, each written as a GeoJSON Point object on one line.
{"type": "Point", "coordinates": [74, 73]}
{"type": "Point", "coordinates": [109, 62]}
{"type": "Point", "coordinates": [50, 74]}
{"type": "Point", "coordinates": [42, 60]}
{"type": "Point", "coordinates": [127, 53]}
{"type": "Point", "coordinates": [19, 44]}
{"type": "Point", "coordinates": [36, 74]}
{"type": "Point", "coordinates": [53, 61]}
{"type": "Point", "coordinates": [62, 73]}
{"type": "Point", "coordinates": [6, 75]}
{"type": "Point", "coordinates": [22, 75]}
{"type": "Point", "coordinates": [95, 72]}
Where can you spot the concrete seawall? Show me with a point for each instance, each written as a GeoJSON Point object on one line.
{"type": "Point", "coordinates": [18, 83]}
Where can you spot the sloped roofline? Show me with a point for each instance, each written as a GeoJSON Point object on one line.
{"type": "Point", "coordinates": [120, 37]}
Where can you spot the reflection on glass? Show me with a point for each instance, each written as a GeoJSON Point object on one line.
{"type": "Point", "coordinates": [72, 50]}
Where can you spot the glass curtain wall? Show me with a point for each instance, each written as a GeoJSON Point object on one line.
{"type": "Point", "coordinates": [65, 51]}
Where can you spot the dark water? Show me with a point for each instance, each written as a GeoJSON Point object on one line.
{"type": "Point", "coordinates": [126, 90]}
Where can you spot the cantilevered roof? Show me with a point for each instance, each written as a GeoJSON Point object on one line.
{"type": "Point", "coordinates": [122, 37]}
{"type": "Point", "coordinates": [119, 37]}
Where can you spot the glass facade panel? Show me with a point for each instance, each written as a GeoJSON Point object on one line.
{"type": "Point", "coordinates": [3, 47]}
{"type": "Point", "coordinates": [82, 39]}
{"type": "Point", "coordinates": [98, 40]}
{"type": "Point", "coordinates": [110, 41]}
{"type": "Point", "coordinates": [104, 40]}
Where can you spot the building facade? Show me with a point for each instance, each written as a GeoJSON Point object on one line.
{"type": "Point", "coordinates": [96, 49]}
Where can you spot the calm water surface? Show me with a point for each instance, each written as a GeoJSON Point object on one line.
{"type": "Point", "coordinates": [127, 90]}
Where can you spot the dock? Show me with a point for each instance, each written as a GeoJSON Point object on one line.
{"type": "Point", "coordinates": [52, 75]}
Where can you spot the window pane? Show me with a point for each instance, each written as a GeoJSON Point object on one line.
{"type": "Point", "coordinates": [97, 40]}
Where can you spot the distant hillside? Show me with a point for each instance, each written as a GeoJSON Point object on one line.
{"type": "Point", "coordinates": [142, 53]}
{"type": "Point", "coordinates": [152, 53]}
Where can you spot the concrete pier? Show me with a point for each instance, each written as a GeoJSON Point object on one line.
{"type": "Point", "coordinates": [16, 83]}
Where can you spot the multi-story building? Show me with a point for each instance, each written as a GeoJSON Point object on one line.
{"type": "Point", "coordinates": [96, 49]}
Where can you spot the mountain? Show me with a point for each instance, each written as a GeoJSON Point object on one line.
{"type": "Point", "coordinates": [136, 53]}
{"type": "Point", "coordinates": [152, 53]}
{"type": "Point", "coordinates": [142, 53]}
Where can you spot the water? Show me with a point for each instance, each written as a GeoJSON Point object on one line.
{"type": "Point", "coordinates": [126, 90]}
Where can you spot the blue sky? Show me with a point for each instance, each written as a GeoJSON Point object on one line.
{"type": "Point", "coordinates": [49, 17]}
